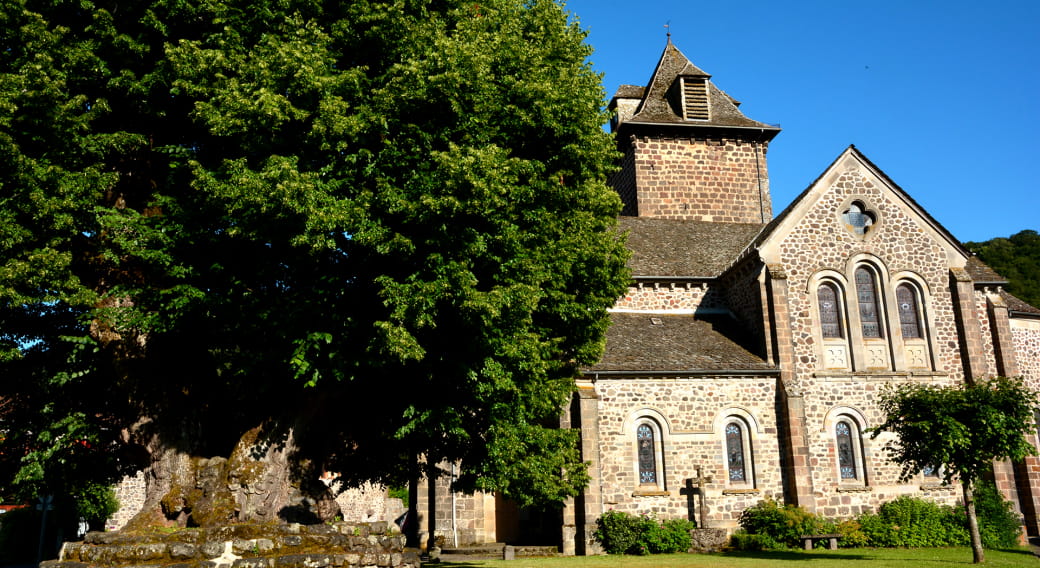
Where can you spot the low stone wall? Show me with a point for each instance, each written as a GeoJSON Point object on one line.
{"type": "Point", "coordinates": [339, 545]}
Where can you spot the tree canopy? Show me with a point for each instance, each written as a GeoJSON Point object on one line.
{"type": "Point", "coordinates": [959, 431]}
{"type": "Point", "coordinates": [385, 223]}
{"type": "Point", "coordinates": [1016, 258]}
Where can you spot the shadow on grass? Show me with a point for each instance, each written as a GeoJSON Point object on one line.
{"type": "Point", "coordinates": [794, 555]}
{"type": "Point", "coordinates": [913, 554]}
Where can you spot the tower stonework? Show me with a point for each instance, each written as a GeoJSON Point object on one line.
{"type": "Point", "coordinates": [689, 152]}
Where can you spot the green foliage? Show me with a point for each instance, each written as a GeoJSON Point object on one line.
{"type": "Point", "coordinates": [999, 525]}
{"type": "Point", "coordinates": [1016, 258]}
{"type": "Point", "coordinates": [233, 213]}
{"type": "Point", "coordinates": [960, 430]}
{"type": "Point", "coordinates": [399, 493]}
{"type": "Point", "coordinates": [916, 523]}
{"type": "Point", "coordinates": [95, 503]}
{"type": "Point", "coordinates": [743, 540]}
{"type": "Point", "coordinates": [670, 536]}
{"type": "Point", "coordinates": [618, 532]}
{"type": "Point", "coordinates": [852, 534]}
{"type": "Point", "coordinates": [781, 525]}
{"type": "Point", "coordinates": [623, 533]}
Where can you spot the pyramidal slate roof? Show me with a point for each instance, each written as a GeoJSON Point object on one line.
{"type": "Point", "coordinates": [656, 106]}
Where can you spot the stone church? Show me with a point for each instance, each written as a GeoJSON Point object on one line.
{"type": "Point", "coordinates": [745, 360]}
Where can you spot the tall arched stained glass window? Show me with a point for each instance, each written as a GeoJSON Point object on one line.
{"type": "Point", "coordinates": [869, 310]}
{"type": "Point", "coordinates": [735, 452]}
{"type": "Point", "coordinates": [909, 319]}
{"type": "Point", "coordinates": [830, 314]}
{"type": "Point", "coordinates": [846, 452]}
{"type": "Point", "coordinates": [647, 459]}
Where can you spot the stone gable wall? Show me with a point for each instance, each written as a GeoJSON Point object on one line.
{"type": "Point", "coordinates": [702, 179]}
{"type": "Point", "coordinates": [821, 241]}
{"type": "Point", "coordinates": [690, 413]}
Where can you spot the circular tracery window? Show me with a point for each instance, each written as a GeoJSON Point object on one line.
{"type": "Point", "coordinates": [858, 219]}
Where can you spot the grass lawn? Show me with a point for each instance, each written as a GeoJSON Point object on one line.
{"type": "Point", "coordinates": [845, 558]}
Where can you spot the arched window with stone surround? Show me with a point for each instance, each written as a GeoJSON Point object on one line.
{"type": "Point", "coordinates": [828, 287]}
{"type": "Point", "coordinates": [827, 298]}
{"type": "Point", "coordinates": [869, 303]}
{"type": "Point", "coordinates": [848, 444]}
{"type": "Point", "coordinates": [846, 451]}
{"type": "Point", "coordinates": [739, 465]}
{"type": "Point", "coordinates": [909, 312]}
{"type": "Point", "coordinates": [647, 458]}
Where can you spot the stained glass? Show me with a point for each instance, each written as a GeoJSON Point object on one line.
{"type": "Point", "coordinates": [866, 293]}
{"type": "Point", "coordinates": [830, 317]}
{"type": "Point", "coordinates": [647, 463]}
{"type": "Point", "coordinates": [846, 457]}
{"type": "Point", "coordinates": [908, 318]}
{"type": "Point", "coordinates": [735, 451]}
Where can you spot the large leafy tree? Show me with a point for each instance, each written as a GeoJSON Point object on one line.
{"type": "Point", "coordinates": [1016, 258]}
{"type": "Point", "coordinates": [251, 240]}
{"type": "Point", "coordinates": [959, 430]}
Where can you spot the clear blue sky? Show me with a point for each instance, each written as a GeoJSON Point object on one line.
{"type": "Point", "coordinates": [944, 97]}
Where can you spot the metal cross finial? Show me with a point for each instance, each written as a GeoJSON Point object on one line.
{"type": "Point", "coordinates": [668, 30]}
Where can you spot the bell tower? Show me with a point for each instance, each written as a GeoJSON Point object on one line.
{"type": "Point", "coordinates": [689, 152]}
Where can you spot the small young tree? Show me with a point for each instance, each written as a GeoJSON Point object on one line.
{"type": "Point", "coordinates": [959, 430]}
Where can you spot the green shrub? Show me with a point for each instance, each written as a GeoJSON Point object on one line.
{"type": "Point", "coordinates": [999, 526]}
{"type": "Point", "coordinates": [670, 536]}
{"type": "Point", "coordinates": [617, 532]}
{"type": "Point", "coordinates": [917, 523]}
{"type": "Point", "coordinates": [852, 534]}
{"type": "Point", "coordinates": [742, 540]}
{"type": "Point", "coordinates": [783, 525]}
{"type": "Point", "coordinates": [623, 533]}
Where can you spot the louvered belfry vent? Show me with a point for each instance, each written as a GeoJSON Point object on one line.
{"type": "Point", "coordinates": [695, 98]}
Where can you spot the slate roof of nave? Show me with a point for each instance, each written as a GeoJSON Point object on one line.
{"type": "Point", "coordinates": [655, 107]}
{"type": "Point", "coordinates": [684, 248]}
{"type": "Point", "coordinates": [1015, 304]}
{"type": "Point", "coordinates": [657, 343]}
{"type": "Point", "coordinates": [981, 273]}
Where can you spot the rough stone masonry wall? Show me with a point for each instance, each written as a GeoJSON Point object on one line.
{"type": "Point", "coordinates": [1026, 338]}
{"type": "Point", "coordinates": [657, 297]}
{"type": "Point", "coordinates": [707, 180]}
{"type": "Point", "coordinates": [691, 414]}
{"type": "Point", "coordinates": [821, 241]}
{"type": "Point", "coordinates": [130, 492]}
{"type": "Point", "coordinates": [989, 356]}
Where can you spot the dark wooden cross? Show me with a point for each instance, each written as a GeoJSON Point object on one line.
{"type": "Point", "coordinates": [690, 491]}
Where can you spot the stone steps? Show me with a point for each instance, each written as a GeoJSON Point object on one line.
{"type": "Point", "coordinates": [337, 545]}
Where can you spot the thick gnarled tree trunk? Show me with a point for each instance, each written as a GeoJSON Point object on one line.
{"type": "Point", "coordinates": [258, 483]}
